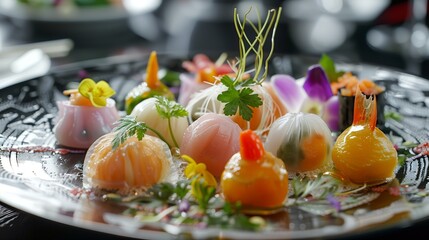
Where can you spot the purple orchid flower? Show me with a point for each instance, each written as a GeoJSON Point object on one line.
{"type": "Point", "coordinates": [317, 84]}
{"type": "Point", "coordinates": [314, 96]}
{"type": "Point", "coordinates": [288, 91]}
{"type": "Point", "coordinates": [331, 114]}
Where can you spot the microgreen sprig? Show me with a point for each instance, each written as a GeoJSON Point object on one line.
{"type": "Point", "coordinates": [319, 187]}
{"type": "Point", "coordinates": [128, 126]}
{"type": "Point", "coordinates": [168, 109]}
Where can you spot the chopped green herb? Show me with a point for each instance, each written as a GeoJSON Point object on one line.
{"type": "Point", "coordinates": [162, 191]}
{"type": "Point", "coordinates": [401, 159]}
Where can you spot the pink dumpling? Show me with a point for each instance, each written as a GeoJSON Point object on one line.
{"type": "Point", "coordinates": [212, 139]}
{"type": "Point", "coordinates": [80, 126]}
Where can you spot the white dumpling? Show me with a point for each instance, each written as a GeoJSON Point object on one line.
{"type": "Point", "coordinates": [146, 112]}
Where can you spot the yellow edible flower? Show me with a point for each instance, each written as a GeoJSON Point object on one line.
{"type": "Point", "coordinates": [198, 171]}
{"type": "Point", "coordinates": [97, 93]}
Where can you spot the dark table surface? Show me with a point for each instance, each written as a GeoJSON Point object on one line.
{"type": "Point", "coordinates": [15, 224]}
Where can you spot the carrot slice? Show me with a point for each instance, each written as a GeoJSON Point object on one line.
{"type": "Point", "coordinates": [152, 71]}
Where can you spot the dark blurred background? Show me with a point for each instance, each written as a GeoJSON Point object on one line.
{"type": "Point", "coordinates": [382, 32]}
{"type": "Point", "coordinates": [390, 33]}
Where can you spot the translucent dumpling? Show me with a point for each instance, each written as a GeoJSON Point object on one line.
{"type": "Point", "coordinates": [79, 126]}
{"type": "Point", "coordinates": [303, 141]}
{"type": "Point", "coordinates": [134, 165]}
{"type": "Point", "coordinates": [146, 112]}
{"type": "Point", "coordinates": [212, 139]}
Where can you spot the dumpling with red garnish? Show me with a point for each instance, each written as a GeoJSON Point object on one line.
{"type": "Point", "coordinates": [87, 115]}
{"type": "Point", "coordinates": [253, 176]}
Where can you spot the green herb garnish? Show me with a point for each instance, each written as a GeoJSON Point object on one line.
{"type": "Point", "coordinates": [204, 208]}
{"type": "Point", "coordinates": [128, 126]}
{"type": "Point", "coordinates": [319, 187]}
{"type": "Point", "coordinates": [231, 217]}
{"type": "Point", "coordinates": [202, 193]}
{"type": "Point", "coordinates": [169, 109]}
{"type": "Point", "coordinates": [241, 99]}
{"type": "Point", "coordinates": [329, 66]}
{"type": "Point", "coordinates": [404, 152]}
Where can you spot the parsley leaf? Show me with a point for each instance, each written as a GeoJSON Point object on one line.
{"type": "Point", "coordinates": [127, 127]}
{"type": "Point", "coordinates": [238, 98]}
{"type": "Point", "coordinates": [168, 109]}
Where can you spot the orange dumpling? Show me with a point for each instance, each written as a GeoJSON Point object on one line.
{"type": "Point", "coordinates": [134, 165]}
{"type": "Point", "coordinates": [362, 153]}
{"type": "Point", "coordinates": [253, 177]}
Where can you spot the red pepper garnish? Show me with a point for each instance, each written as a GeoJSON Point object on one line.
{"type": "Point", "coordinates": [251, 146]}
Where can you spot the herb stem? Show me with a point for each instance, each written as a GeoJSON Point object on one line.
{"type": "Point", "coordinates": [170, 129]}
{"type": "Point", "coordinates": [272, 42]}
{"type": "Point", "coordinates": [159, 135]}
{"type": "Point", "coordinates": [256, 46]}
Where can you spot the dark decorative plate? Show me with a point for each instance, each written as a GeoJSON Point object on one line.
{"type": "Point", "coordinates": [38, 177]}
